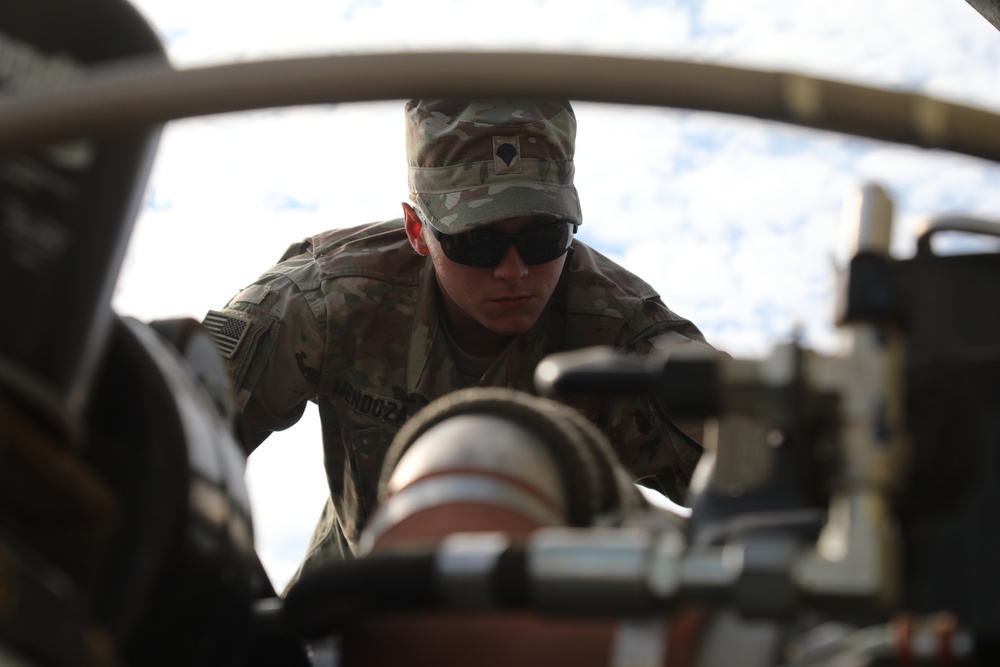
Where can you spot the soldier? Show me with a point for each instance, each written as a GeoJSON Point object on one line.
{"type": "Point", "coordinates": [479, 280]}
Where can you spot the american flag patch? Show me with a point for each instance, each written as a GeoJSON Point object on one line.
{"type": "Point", "coordinates": [227, 331]}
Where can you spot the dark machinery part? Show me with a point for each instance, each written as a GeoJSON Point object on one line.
{"type": "Point", "coordinates": [990, 9]}
{"type": "Point", "coordinates": [179, 574]}
{"type": "Point", "coordinates": [67, 208]}
{"type": "Point", "coordinates": [125, 532]}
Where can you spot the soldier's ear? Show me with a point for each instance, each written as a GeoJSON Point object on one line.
{"type": "Point", "coordinates": [414, 227]}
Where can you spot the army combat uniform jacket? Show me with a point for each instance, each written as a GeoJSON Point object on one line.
{"type": "Point", "coordinates": [350, 319]}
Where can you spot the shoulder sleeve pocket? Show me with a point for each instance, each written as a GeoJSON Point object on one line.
{"type": "Point", "coordinates": [227, 330]}
{"type": "Point", "coordinates": [245, 341]}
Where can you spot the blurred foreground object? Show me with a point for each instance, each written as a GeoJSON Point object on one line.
{"type": "Point", "coordinates": [125, 533]}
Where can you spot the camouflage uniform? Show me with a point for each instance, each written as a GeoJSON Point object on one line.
{"type": "Point", "coordinates": [351, 320]}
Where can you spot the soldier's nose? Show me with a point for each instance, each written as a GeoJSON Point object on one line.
{"type": "Point", "coordinates": [511, 268]}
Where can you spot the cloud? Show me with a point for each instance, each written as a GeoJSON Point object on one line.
{"type": "Point", "coordinates": [212, 204]}
{"type": "Point", "coordinates": [731, 220]}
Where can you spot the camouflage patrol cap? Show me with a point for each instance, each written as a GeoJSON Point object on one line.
{"type": "Point", "coordinates": [475, 163]}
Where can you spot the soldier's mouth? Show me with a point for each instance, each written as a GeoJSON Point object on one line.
{"type": "Point", "coordinates": [513, 300]}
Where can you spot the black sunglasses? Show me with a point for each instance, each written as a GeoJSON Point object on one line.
{"type": "Point", "coordinates": [486, 247]}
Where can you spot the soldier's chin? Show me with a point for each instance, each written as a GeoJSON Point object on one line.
{"type": "Point", "coordinates": [512, 326]}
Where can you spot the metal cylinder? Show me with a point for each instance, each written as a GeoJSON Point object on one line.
{"type": "Point", "coordinates": [867, 217]}
{"type": "Point", "coordinates": [473, 473]}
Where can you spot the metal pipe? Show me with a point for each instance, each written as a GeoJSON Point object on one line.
{"type": "Point", "coordinates": [139, 93]}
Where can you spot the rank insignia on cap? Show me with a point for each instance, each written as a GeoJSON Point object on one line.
{"type": "Point", "coordinates": [507, 155]}
{"type": "Point", "coordinates": [226, 330]}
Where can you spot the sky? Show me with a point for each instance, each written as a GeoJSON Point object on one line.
{"type": "Point", "coordinates": [736, 222]}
